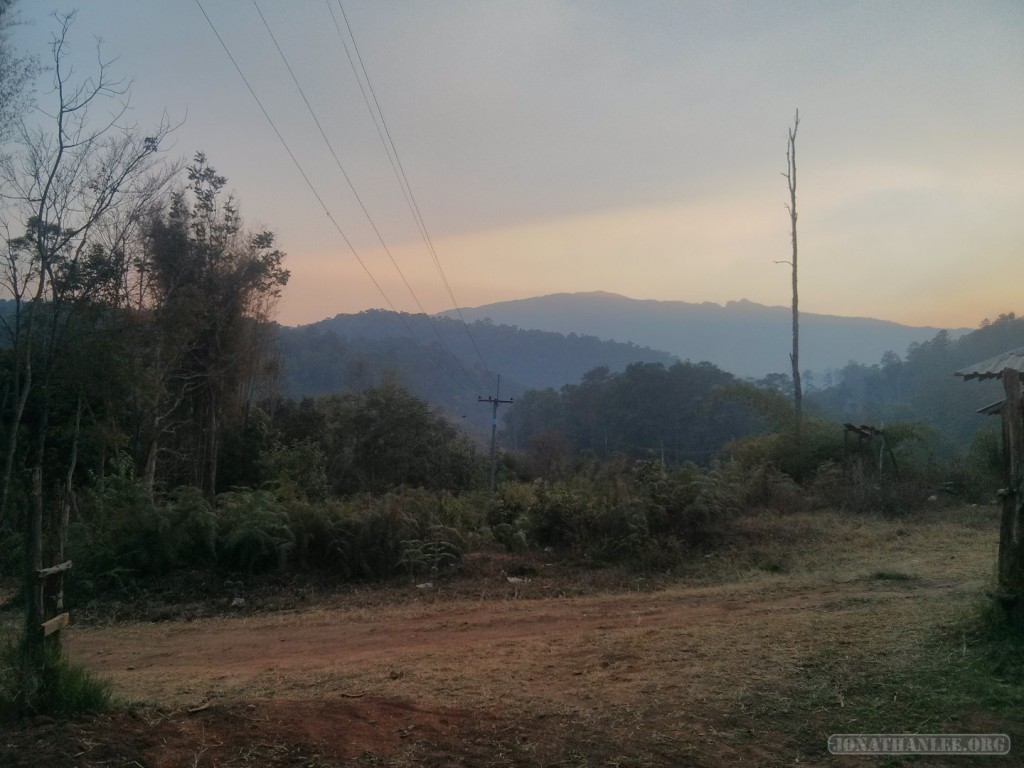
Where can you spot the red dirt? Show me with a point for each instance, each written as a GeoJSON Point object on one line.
{"type": "Point", "coordinates": [687, 675]}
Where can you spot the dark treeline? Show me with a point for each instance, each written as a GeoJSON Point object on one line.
{"type": "Point", "coordinates": [699, 413]}
{"type": "Point", "coordinates": [348, 353]}
{"type": "Point", "coordinates": [921, 386]}
{"type": "Point", "coordinates": [682, 412]}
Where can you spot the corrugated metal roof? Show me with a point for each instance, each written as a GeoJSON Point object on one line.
{"type": "Point", "coordinates": [993, 410]}
{"type": "Point", "coordinates": [993, 367]}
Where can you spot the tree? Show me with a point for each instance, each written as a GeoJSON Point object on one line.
{"type": "Point", "coordinates": [70, 190]}
{"type": "Point", "coordinates": [794, 357]}
{"type": "Point", "coordinates": [382, 438]}
{"type": "Point", "coordinates": [16, 74]}
{"type": "Point", "coordinates": [213, 286]}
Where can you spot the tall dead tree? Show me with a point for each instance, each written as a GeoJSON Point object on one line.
{"type": "Point", "coordinates": [794, 356]}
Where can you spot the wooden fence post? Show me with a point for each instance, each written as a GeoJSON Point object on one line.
{"type": "Point", "coordinates": [1011, 546]}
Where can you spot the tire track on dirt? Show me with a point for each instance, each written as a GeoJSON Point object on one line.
{"type": "Point", "coordinates": [144, 657]}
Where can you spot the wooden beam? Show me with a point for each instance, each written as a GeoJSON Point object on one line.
{"type": "Point", "coordinates": [1011, 535]}
{"type": "Point", "coordinates": [56, 624]}
{"type": "Point", "coordinates": [43, 573]}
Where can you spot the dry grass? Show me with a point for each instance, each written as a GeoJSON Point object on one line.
{"type": "Point", "coordinates": [808, 624]}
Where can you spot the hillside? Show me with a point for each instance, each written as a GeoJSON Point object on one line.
{"type": "Point", "coordinates": [920, 386]}
{"type": "Point", "coordinates": [349, 352]}
{"type": "Point", "coordinates": [744, 338]}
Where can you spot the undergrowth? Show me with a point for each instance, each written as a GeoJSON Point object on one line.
{"type": "Point", "coordinates": [42, 681]}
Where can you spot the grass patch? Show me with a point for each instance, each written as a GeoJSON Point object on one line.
{"type": "Point", "coordinates": [964, 677]}
{"type": "Point", "coordinates": [45, 682]}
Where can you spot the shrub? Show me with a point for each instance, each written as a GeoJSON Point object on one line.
{"type": "Point", "coordinates": [979, 474]}
{"type": "Point", "coordinates": [820, 441]}
{"type": "Point", "coordinates": [253, 531]}
{"type": "Point", "coordinates": [561, 518]}
{"type": "Point", "coordinates": [766, 487]}
{"type": "Point", "coordinates": [36, 681]}
{"type": "Point", "coordinates": [297, 470]}
{"type": "Point", "coordinates": [440, 547]}
{"type": "Point", "coordinates": [412, 532]}
{"type": "Point", "coordinates": [123, 532]}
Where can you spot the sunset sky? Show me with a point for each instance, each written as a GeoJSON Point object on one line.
{"type": "Point", "coordinates": [633, 147]}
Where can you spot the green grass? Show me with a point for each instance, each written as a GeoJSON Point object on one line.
{"type": "Point", "coordinates": [45, 682]}
{"type": "Point", "coordinates": [967, 677]}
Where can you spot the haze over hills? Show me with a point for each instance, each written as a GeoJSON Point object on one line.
{"type": "Point", "coordinates": [349, 352]}
{"type": "Point", "coordinates": [744, 338]}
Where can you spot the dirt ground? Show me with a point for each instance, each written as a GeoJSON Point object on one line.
{"type": "Point", "coordinates": [744, 666]}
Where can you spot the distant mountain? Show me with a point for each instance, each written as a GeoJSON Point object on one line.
{"type": "Point", "coordinates": [437, 360]}
{"type": "Point", "coordinates": [742, 337]}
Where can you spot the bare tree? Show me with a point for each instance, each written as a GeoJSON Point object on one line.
{"type": "Point", "coordinates": [16, 73]}
{"type": "Point", "coordinates": [794, 356]}
{"type": "Point", "coordinates": [68, 184]}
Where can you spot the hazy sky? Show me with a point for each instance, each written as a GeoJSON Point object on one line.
{"type": "Point", "coordinates": [633, 147]}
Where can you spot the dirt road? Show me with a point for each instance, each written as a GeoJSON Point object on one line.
{"type": "Point", "coordinates": [746, 670]}
{"type": "Point", "coordinates": [186, 664]}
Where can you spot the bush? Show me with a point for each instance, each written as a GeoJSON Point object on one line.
{"type": "Point", "coordinates": [979, 474]}
{"type": "Point", "coordinates": [767, 487]}
{"type": "Point", "coordinates": [123, 533]}
{"type": "Point", "coordinates": [636, 513]}
{"type": "Point", "coordinates": [41, 681]}
{"type": "Point", "coordinates": [690, 503]}
{"type": "Point", "coordinates": [253, 531]}
{"type": "Point", "coordinates": [297, 470]}
{"type": "Point", "coordinates": [820, 441]}
{"type": "Point", "coordinates": [411, 532]}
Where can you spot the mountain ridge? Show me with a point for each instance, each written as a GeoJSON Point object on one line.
{"type": "Point", "coordinates": [742, 337]}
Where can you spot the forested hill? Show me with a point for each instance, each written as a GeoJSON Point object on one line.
{"type": "Point", "coordinates": [349, 352]}
{"type": "Point", "coordinates": [921, 386]}
{"type": "Point", "coordinates": [741, 337]}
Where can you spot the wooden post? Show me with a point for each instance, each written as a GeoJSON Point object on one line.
{"type": "Point", "coordinates": [1011, 546]}
{"type": "Point", "coordinates": [51, 584]}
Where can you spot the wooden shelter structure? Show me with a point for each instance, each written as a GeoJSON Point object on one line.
{"type": "Point", "coordinates": [1009, 367]}
{"type": "Point", "coordinates": [866, 438]}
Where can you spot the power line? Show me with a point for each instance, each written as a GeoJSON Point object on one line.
{"type": "Point", "coordinates": [351, 186]}
{"type": "Point", "coordinates": [396, 165]}
{"type": "Point", "coordinates": [309, 183]}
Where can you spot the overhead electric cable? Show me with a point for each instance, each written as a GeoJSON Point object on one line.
{"type": "Point", "coordinates": [396, 164]}
{"type": "Point", "coordinates": [351, 186]}
{"type": "Point", "coordinates": [309, 183]}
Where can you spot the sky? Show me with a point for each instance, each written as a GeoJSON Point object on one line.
{"type": "Point", "coordinates": [587, 145]}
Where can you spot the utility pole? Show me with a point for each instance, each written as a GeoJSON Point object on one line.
{"type": "Point", "coordinates": [495, 402]}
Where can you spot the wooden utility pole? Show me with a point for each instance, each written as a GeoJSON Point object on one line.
{"type": "Point", "coordinates": [1011, 534]}
{"type": "Point", "coordinates": [495, 402]}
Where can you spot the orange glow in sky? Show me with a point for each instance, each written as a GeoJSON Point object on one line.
{"type": "Point", "coordinates": [635, 148]}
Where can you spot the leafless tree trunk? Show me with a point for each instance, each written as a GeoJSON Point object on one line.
{"type": "Point", "coordinates": [794, 357]}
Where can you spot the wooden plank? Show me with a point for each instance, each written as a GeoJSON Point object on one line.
{"type": "Point", "coordinates": [56, 624]}
{"type": "Point", "coordinates": [43, 573]}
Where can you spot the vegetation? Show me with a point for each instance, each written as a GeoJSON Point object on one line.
{"type": "Point", "coordinates": [921, 387]}
{"type": "Point", "coordinates": [42, 681]}
{"type": "Point", "coordinates": [149, 430]}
